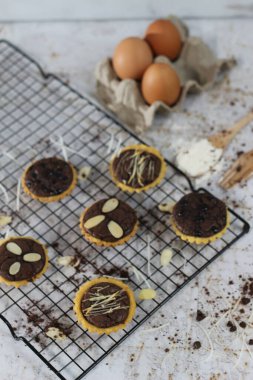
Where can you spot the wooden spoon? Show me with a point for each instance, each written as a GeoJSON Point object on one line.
{"type": "Point", "coordinates": [240, 170]}
{"type": "Point", "coordinates": [222, 140]}
{"type": "Point", "coordinates": [195, 162]}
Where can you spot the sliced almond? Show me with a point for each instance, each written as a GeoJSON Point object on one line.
{"type": "Point", "coordinates": [95, 221]}
{"type": "Point", "coordinates": [55, 333]}
{"type": "Point", "coordinates": [84, 173]}
{"type": "Point", "coordinates": [76, 262]}
{"type": "Point", "coordinates": [5, 220]}
{"type": "Point", "coordinates": [115, 229]}
{"type": "Point", "coordinates": [110, 205]}
{"type": "Point", "coordinates": [166, 207]}
{"type": "Point", "coordinates": [65, 260]}
{"type": "Point", "coordinates": [14, 248]}
{"type": "Point", "coordinates": [166, 256]}
{"type": "Point", "coordinates": [147, 294]}
{"type": "Point", "coordinates": [14, 268]}
{"type": "Point", "coordinates": [32, 257]}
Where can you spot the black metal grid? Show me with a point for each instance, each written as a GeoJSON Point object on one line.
{"type": "Point", "coordinates": [33, 107]}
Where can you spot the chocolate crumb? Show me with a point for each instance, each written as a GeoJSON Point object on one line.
{"type": "Point", "coordinates": [242, 324]}
{"type": "Point", "coordinates": [231, 326]}
{"type": "Point", "coordinates": [114, 272]}
{"type": "Point", "coordinates": [166, 350]}
{"type": "Point", "coordinates": [245, 300]}
{"type": "Point", "coordinates": [251, 342]}
{"type": "Point", "coordinates": [200, 316]}
{"type": "Point", "coordinates": [35, 319]}
{"type": "Point", "coordinates": [196, 345]}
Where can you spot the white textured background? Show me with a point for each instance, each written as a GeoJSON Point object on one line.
{"type": "Point", "coordinates": [71, 49]}
{"type": "Point", "coordinates": [18, 10]}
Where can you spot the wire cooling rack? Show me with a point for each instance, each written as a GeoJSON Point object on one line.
{"type": "Point", "coordinates": [37, 110]}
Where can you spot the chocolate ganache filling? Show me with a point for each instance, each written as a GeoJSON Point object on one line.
{"type": "Point", "coordinates": [200, 215]}
{"type": "Point", "coordinates": [49, 177]}
{"type": "Point", "coordinates": [105, 305]}
{"type": "Point", "coordinates": [109, 220]}
{"type": "Point", "coordinates": [136, 168]}
{"type": "Point", "coordinates": [21, 259]}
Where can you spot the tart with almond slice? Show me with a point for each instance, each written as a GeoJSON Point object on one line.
{"type": "Point", "coordinates": [22, 260]}
{"type": "Point", "coordinates": [137, 168]}
{"type": "Point", "coordinates": [108, 222]}
{"type": "Point", "coordinates": [104, 305]}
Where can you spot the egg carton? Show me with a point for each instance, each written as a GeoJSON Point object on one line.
{"type": "Point", "coordinates": [197, 67]}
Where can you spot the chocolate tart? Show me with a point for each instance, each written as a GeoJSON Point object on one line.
{"type": "Point", "coordinates": [108, 222]}
{"type": "Point", "coordinates": [49, 179]}
{"type": "Point", "coordinates": [104, 305]}
{"type": "Point", "coordinates": [137, 168]}
{"type": "Point", "coordinates": [199, 218]}
{"type": "Point", "coordinates": [22, 260]}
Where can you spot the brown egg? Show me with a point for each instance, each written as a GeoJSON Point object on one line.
{"type": "Point", "coordinates": [164, 39]}
{"type": "Point", "coordinates": [160, 82]}
{"type": "Point", "coordinates": [131, 58]}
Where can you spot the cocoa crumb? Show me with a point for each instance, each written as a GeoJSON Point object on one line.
{"type": "Point", "coordinates": [196, 345]}
{"type": "Point", "coordinates": [200, 316]}
{"type": "Point", "coordinates": [231, 326]}
{"type": "Point", "coordinates": [245, 300]}
{"type": "Point", "coordinates": [242, 324]}
{"type": "Point", "coordinates": [55, 245]}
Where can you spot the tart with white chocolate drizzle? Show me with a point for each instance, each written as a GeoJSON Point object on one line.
{"type": "Point", "coordinates": [104, 305]}
{"type": "Point", "coordinates": [137, 168]}
{"type": "Point", "coordinates": [22, 259]}
{"type": "Point", "coordinates": [109, 222]}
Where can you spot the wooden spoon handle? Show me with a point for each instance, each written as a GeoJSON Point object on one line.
{"type": "Point", "coordinates": [222, 139]}
{"type": "Point", "coordinates": [241, 124]}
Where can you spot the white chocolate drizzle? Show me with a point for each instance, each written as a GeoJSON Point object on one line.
{"type": "Point", "coordinates": [104, 303]}
{"type": "Point", "coordinates": [137, 166]}
{"type": "Point", "coordinates": [18, 195]}
{"type": "Point", "coordinates": [148, 255]}
{"type": "Point", "coordinates": [7, 199]}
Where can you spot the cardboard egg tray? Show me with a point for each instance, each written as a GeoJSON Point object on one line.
{"type": "Point", "coordinates": [197, 67]}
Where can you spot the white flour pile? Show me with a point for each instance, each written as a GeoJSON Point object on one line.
{"type": "Point", "coordinates": [199, 158]}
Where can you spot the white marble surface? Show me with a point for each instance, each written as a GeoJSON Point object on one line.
{"type": "Point", "coordinates": [72, 50]}
{"type": "Point", "coordinates": [16, 10]}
